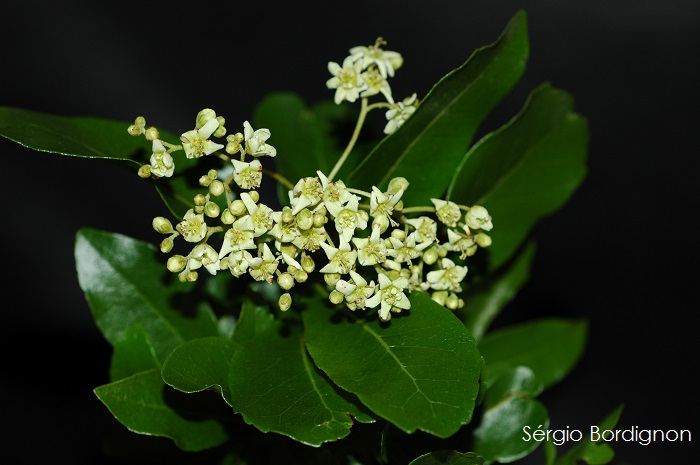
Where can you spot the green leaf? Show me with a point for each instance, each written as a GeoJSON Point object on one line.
{"type": "Point", "coordinates": [132, 354]}
{"type": "Point", "coordinates": [448, 457]}
{"type": "Point", "coordinates": [126, 284]}
{"type": "Point", "coordinates": [301, 135]}
{"type": "Point", "coordinates": [550, 347]}
{"type": "Point", "coordinates": [102, 139]}
{"type": "Point", "coordinates": [140, 403]}
{"type": "Point", "coordinates": [428, 146]}
{"type": "Point", "coordinates": [420, 371]}
{"type": "Point", "coordinates": [485, 300]}
{"type": "Point", "coordinates": [200, 364]}
{"type": "Point", "coordinates": [525, 170]}
{"type": "Point", "coordinates": [590, 452]}
{"type": "Point", "coordinates": [276, 386]}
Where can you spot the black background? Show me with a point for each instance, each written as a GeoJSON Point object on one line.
{"type": "Point", "coordinates": [622, 253]}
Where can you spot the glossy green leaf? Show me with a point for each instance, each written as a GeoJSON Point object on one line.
{"type": "Point", "coordinates": [448, 457]}
{"type": "Point", "coordinates": [590, 452]}
{"type": "Point", "coordinates": [550, 347]}
{"type": "Point", "coordinates": [516, 382]}
{"type": "Point", "coordinates": [102, 139]}
{"type": "Point", "coordinates": [200, 364]}
{"type": "Point", "coordinates": [421, 371]}
{"type": "Point", "coordinates": [140, 403]}
{"type": "Point", "coordinates": [132, 354]}
{"type": "Point", "coordinates": [126, 283]}
{"type": "Point", "coordinates": [303, 136]}
{"type": "Point", "coordinates": [484, 301]}
{"type": "Point", "coordinates": [276, 386]}
{"type": "Point", "coordinates": [428, 146]}
{"type": "Point", "coordinates": [526, 170]}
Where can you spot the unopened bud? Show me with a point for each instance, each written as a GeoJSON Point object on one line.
{"type": "Point", "coordinates": [285, 301]}
{"type": "Point", "coordinates": [237, 207]}
{"type": "Point", "coordinates": [285, 281]}
{"type": "Point", "coordinates": [204, 116]}
{"type": "Point", "coordinates": [212, 210]}
{"type": "Point", "coordinates": [204, 181]}
{"type": "Point", "coordinates": [254, 195]}
{"type": "Point", "coordinates": [287, 216]}
{"type": "Point", "coordinates": [398, 234]}
{"type": "Point", "coordinates": [307, 264]}
{"type": "Point", "coordinates": [430, 256]}
{"type": "Point", "coordinates": [381, 222]}
{"type": "Point", "coordinates": [176, 263]}
{"type": "Point", "coordinates": [331, 278]}
{"type": "Point", "coordinates": [305, 219]}
{"type": "Point", "coordinates": [336, 296]}
{"type": "Point", "coordinates": [227, 217]}
{"type": "Point", "coordinates": [152, 134]}
{"type": "Point", "coordinates": [166, 245]}
{"type": "Point", "coordinates": [452, 302]}
{"type": "Point", "coordinates": [482, 240]}
{"type": "Point", "coordinates": [216, 188]}
{"type": "Point", "coordinates": [439, 297]}
{"type": "Point", "coordinates": [134, 130]}
{"type": "Point", "coordinates": [301, 276]}
{"type": "Point", "coordinates": [320, 220]}
{"type": "Point", "coordinates": [200, 200]}
{"type": "Point", "coordinates": [145, 171]}
{"type": "Point", "coordinates": [162, 225]}
{"type": "Point", "coordinates": [397, 185]}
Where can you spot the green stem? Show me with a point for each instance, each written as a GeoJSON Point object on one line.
{"type": "Point", "coordinates": [418, 209]}
{"type": "Point", "coordinates": [353, 140]}
{"type": "Point", "coordinates": [281, 179]}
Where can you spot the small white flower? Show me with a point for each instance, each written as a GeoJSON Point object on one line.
{"type": "Point", "coordinates": [307, 192]}
{"type": "Point", "coordinates": [356, 292]}
{"type": "Point", "coordinates": [370, 250]}
{"type": "Point", "coordinates": [192, 227]}
{"type": "Point", "coordinates": [238, 262]}
{"type": "Point", "coordinates": [340, 260]}
{"type": "Point", "coordinates": [386, 61]}
{"type": "Point", "coordinates": [406, 250]}
{"type": "Point", "coordinates": [347, 80]}
{"type": "Point", "coordinates": [447, 278]}
{"type": "Point", "coordinates": [162, 163]}
{"type": "Point", "coordinates": [462, 243]}
{"type": "Point", "coordinates": [399, 112]}
{"type": "Point", "coordinates": [335, 194]}
{"type": "Point", "coordinates": [196, 142]}
{"type": "Point", "coordinates": [310, 239]}
{"type": "Point", "coordinates": [347, 218]}
{"type": "Point", "coordinates": [263, 267]}
{"type": "Point", "coordinates": [447, 212]}
{"type": "Point", "coordinates": [239, 237]}
{"type": "Point", "coordinates": [382, 204]}
{"type": "Point", "coordinates": [204, 255]}
{"type": "Point", "coordinates": [376, 83]}
{"type": "Point", "coordinates": [426, 228]}
{"type": "Point", "coordinates": [478, 218]}
{"type": "Point", "coordinates": [260, 215]}
{"type": "Point", "coordinates": [390, 295]}
{"type": "Point", "coordinates": [255, 141]}
{"type": "Point", "coordinates": [247, 175]}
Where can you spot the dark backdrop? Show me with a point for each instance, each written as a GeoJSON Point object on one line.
{"type": "Point", "coordinates": [622, 253]}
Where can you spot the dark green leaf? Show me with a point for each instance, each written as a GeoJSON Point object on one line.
{"type": "Point", "coordinates": [485, 300]}
{"type": "Point", "coordinates": [200, 364]}
{"type": "Point", "coordinates": [550, 347]}
{"type": "Point", "coordinates": [516, 382]}
{"type": "Point", "coordinates": [301, 135]}
{"type": "Point", "coordinates": [448, 457]}
{"type": "Point", "coordinates": [421, 371]}
{"type": "Point", "coordinates": [132, 354]}
{"type": "Point", "coordinates": [126, 284]}
{"type": "Point", "coordinates": [103, 139]}
{"type": "Point", "coordinates": [590, 452]}
{"type": "Point", "coordinates": [276, 386]}
{"type": "Point", "coordinates": [140, 404]}
{"type": "Point", "coordinates": [428, 146]}
{"type": "Point", "coordinates": [525, 170]}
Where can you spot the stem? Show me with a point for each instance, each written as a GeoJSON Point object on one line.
{"type": "Point", "coordinates": [358, 191]}
{"type": "Point", "coordinates": [281, 179]}
{"type": "Point", "coordinates": [353, 140]}
{"type": "Point", "coordinates": [418, 209]}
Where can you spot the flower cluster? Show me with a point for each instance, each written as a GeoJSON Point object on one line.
{"type": "Point", "coordinates": [370, 249]}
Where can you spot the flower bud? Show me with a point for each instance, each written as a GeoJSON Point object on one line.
{"type": "Point", "coordinates": [191, 276]}
{"type": "Point", "coordinates": [212, 210]}
{"type": "Point", "coordinates": [227, 217]}
{"type": "Point", "coordinates": [452, 302]}
{"type": "Point", "coordinates": [287, 216]}
{"type": "Point", "coordinates": [285, 301]}
{"type": "Point", "coordinates": [336, 296]}
{"type": "Point", "coordinates": [200, 200]}
{"type": "Point", "coordinates": [398, 234]}
{"type": "Point", "coordinates": [307, 263]}
{"type": "Point", "coordinates": [285, 281]}
{"type": "Point", "coordinates": [152, 134]}
{"type": "Point", "coordinates": [237, 208]}
{"type": "Point", "coordinates": [320, 220]}
{"type": "Point", "coordinates": [162, 225]}
{"type": "Point", "coordinates": [204, 181]}
{"type": "Point", "coordinates": [439, 297]}
{"type": "Point", "coordinates": [482, 239]}
{"type": "Point", "coordinates": [145, 171]}
{"type": "Point", "coordinates": [204, 116]}
{"type": "Point", "coordinates": [134, 130]}
{"type": "Point", "coordinates": [397, 185]}
{"type": "Point", "coordinates": [216, 188]}
{"type": "Point", "coordinates": [305, 219]}
{"type": "Point", "coordinates": [166, 245]}
{"type": "Point", "coordinates": [331, 278]}
{"type": "Point", "coordinates": [381, 222]}
{"type": "Point", "coordinates": [254, 195]}
{"type": "Point", "coordinates": [176, 263]}
{"type": "Point", "coordinates": [430, 255]}
{"type": "Point", "coordinates": [301, 276]}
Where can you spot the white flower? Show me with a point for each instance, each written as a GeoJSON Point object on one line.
{"type": "Point", "coordinates": [347, 218]}
{"type": "Point", "coordinates": [239, 237]}
{"type": "Point", "coordinates": [387, 61]}
{"type": "Point", "coordinates": [310, 239]}
{"type": "Point", "coordinates": [390, 295]}
{"type": "Point", "coordinates": [347, 80]}
{"type": "Point", "coordinates": [204, 255]}
{"type": "Point", "coordinates": [407, 250]}
{"type": "Point", "coordinates": [247, 175]}
{"type": "Point", "coordinates": [238, 262]}
{"type": "Point", "coordinates": [162, 163]}
{"type": "Point", "coordinates": [376, 83]}
{"type": "Point", "coordinates": [370, 250]}
{"type": "Point", "coordinates": [399, 112]}
{"type": "Point", "coordinates": [340, 260]}
{"type": "Point", "coordinates": [356, 292]}
{"type": "Point", "coordinates": [335, 194]}
{"type": "Point", "coordinates": [447, 212]}
{"type": "Point", "coordinates": [447, 278]}
{"type": "Point", "coordinates": [263, 267]}
{"type": "Point", "coordinates": [478, 218]}
{"type": "Point", "coordinates": [382, 204]}
{"type": "Point", "coordinates": [255, 141]}
{"type": "Point", "coordinates": [260, 215]}
{"type": "Point", "coordinates": [426, 228]}
{"type": "Point", "coordinates": [192, 227]}
{"type": "Point", "coordinates": [460, 243]}
{"type": "Point", "coordinates": [196, 142]}
{"type": "Point", "coordinates": [307, 192]}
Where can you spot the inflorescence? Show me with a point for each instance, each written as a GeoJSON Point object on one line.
{"type": "Point", "coordinates": [371, 249]}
